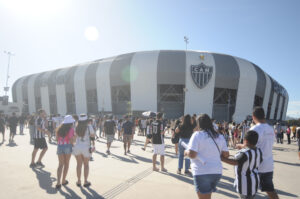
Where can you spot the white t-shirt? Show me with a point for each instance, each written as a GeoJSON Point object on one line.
{"type": "Point", "coordinates": [266, 137]}
{"type": "Point", "coordinates": [205, 147]}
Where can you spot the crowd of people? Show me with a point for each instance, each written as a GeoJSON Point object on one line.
{"type": "Point", "coordinates": [201, 145]}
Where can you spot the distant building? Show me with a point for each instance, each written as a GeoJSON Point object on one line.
{"type": "Point", "coordinates": [175, 82]}
{"type": "Point", "coordinates": [8, 108]}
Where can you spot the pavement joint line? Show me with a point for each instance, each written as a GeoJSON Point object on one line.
{"type": "Point", "coordinates": [112, 193]}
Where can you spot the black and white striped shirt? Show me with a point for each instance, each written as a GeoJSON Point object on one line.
{"type": "Point", "coordinates": [39, 123]}
{"type": "Point", "coordinates": [246, 172]}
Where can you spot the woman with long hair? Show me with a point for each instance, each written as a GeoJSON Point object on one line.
{"type": "Point", "coordinates": [185, 131]}
{"type": "Point", "coordinates": [205, 149]}
{"type": "Point", "coordinates": [84, 135]}
{"type": "Point", "coordinates": [64, 136]}
{"type": "Point", "coordinates": [175, 136]}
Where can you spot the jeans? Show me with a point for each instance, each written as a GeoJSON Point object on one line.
{"type": "Point", "coordinates": [206, 183]}
{"type": "Point", "coordinates": [181, 155]}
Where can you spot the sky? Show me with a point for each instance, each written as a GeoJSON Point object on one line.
{"type": "Point", "coordinates": [50, 34]}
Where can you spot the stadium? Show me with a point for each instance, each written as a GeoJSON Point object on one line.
{"type": "Point", "coordinates": [175, 82]}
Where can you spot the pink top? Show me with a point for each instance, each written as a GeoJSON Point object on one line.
{"type": "Point", "coordinates": [67, 139]}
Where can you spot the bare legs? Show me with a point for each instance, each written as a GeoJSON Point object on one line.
{"type": "Point", "coordinates": [204, 196]}
{"type": "Point", "coordinates": [34, 152]}
{"type": "Point", "coordinates": [63, 165]}
{"type": "Point", "coordinates": [162, 162]}
{"type": "Point", "coordinates": [81, 160]}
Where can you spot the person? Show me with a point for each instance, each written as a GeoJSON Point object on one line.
{"type": "Point", "coordinates": [127, 131]}
{"type": "Point", "coordinates": [266, 137]}
{"type": "Point", "coordinates": [21, 124]}
{"type": "Point", "coordinates": [298, 137]}
{"type": "Point", "coordinates": [84, 134]}
{"type": "Point", "coordinates": [278, 132]}
{"type": "Point", "coordinates": [246, 162]}
{"type": "Point", "coordinates": [288, 134]}
{"type": "Point", "coordinates": [31, 122]}
{"type": "Point", "coordinates": [143, 127]}
{"type": "Point", "coordinates": [109, 130]}
{"type": "Point", "coordinates": [157, 130]}
{"type": "Point", "coordinates": [39, 139]}
{"type": "Point", "coordinates": [294, 129]}
{"type": "Point", "coordinates": [2, 127]}
{"type": "Point", "coordinates": [12, 123]}
{"type": "Point", "coordinates": [50, 127]}
{"type": "Point", "coordinates": [175, 136]}
{"type": "Point", "coordinates": [185, 132]}
{"type": "Point", "coordinates": [148, 134]}
{"type": "Point", "coordinates": [120, 122]}
{"type": "Point", "coordinates": [64, 138]}
{"type": "Point", "coordinates": [205, 149]}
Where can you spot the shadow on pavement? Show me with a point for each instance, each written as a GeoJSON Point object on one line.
{"type": "Point", "coordinates": [12, 144]}
{"type": "Point", "coordinates": [131, 160]}
{"type": "Point", "coordinates": [100, 153]}
{"type": "Point", "coordinates": [70, 195]}
{"type": "Point", "coordinates": [287, 163]}
{"type": "Point", "coordinates": [45, 180]}
{"type": "Point", "coordinates": [91, 193]}
{"type": "Point", "coordinates": [286, 193]}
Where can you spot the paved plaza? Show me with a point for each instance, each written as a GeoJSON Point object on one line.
{"type": "Point", "coordinates": [124, 177]}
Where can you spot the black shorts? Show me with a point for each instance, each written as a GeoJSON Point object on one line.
{"type": "Point", "coordinates": [266, 182]}
{"type": "Point", "coordinates": [13, 129]}
{"type": "Point", "coordinates": [299, 144]}
{"type": "Point", "coordinates": [149, 136]}
{"type": "Point", "coordinates": [40, 143]}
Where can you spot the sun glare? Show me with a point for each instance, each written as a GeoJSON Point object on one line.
{"type": "Point", "coordinates": [91, 33]}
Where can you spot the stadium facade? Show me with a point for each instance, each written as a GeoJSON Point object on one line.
{"type": "Point", "coordinates": [172, 81]}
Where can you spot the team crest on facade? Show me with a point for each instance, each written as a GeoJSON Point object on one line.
{"type": "Point", "coordinates": [201, 74]}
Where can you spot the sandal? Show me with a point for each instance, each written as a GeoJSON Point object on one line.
{"type": "Point", "coordinates": [87, 184]}
{"type": "Point", "coordinates": [78, 184]}
{"type": "Point", "coordinates": [65, 183]}
{"type": "Point", "coordinates": [58, 186]}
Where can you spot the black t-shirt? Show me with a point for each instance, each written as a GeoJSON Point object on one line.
{"type": "Point", "coordinates": [298, 133]}
{"type": "Point", "coordinates": [13, 121]}
{"type": "Point", "coordinates": [2, 123]}
{"type": "Point", "coordinates": [22, 120]}
{"type": "Point", "coordinates": [186, 131]}
{"type": "Point", "coordinates": [50, 124]}
{"type": "Point", "coordinates": [127, 126]}
{"type": "Point", "coordinates": [109, 127]}
{"type": "Point", "coordinates": [156, 128]}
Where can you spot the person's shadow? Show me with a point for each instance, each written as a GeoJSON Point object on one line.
{"type": "Point", "coordinates": [90, 193]}
{"type": "Point", "coordinates": [70, 195]}
{"type": "Point", "coordinates": [45, 180]}
{"type": "Point", "coordinates": [12, 144]}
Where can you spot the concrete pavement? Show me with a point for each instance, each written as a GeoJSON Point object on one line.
{"type": "Point", "coordinates": [131, 176]}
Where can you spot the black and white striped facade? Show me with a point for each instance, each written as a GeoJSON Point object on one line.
{"type": "Point", "coordinates": [165, 80]}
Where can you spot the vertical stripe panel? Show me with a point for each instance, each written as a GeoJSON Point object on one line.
{"type": "Point", "coordinates": [103, 85]}
{"type": "Point", "coordinates": [143, 81]}
{"type": "Point", "coordinates": [273, 106]}
{"type": "Point", "coordinates": [285, 107]}
{"type": "Point", "coordinates": [267, 93]}
{"type": "Point", "coordinates": [19, 91]}
{"type": "Point", "coordinates": [198, 100]}
{"type": "Point", "coordinates": [246, 90]}
{"type": "Point", "coordinates": [31, 96]}
{"type": "Point", "coordinates": [79, 89]}
{"type": "Point", "coordinates": [61, 92]}
{"type": "Point", "coordinates": [279, 107]}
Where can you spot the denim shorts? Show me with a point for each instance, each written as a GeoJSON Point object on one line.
{"type": "Point", "coordinates": [266, 181]}
{"type": "Point", "coordinates": [64, 149]}
{"type": "Point", "coordinates": [206, 183]}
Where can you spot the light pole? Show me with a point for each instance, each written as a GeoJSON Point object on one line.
{"type": "Point", "coordinates": [6, 88]}
{"type": "Point", "coordinates": [186, 40]}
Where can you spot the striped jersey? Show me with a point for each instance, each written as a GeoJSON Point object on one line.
{"type": "Point", "coordinates": [246, 172]}
{"type": "Point", "coordinates": [39, 123]}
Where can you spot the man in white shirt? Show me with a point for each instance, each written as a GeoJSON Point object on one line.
{"type": "Point", "coordinates": [266, 137]}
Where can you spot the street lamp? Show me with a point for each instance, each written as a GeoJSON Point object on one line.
{"type": "Point", "coordinates": [186, 40]}
{"type": "Point", "coordinates": [6, 88]}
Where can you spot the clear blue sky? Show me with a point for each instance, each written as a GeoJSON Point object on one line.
{"type": "Point", "coordinates": [50, 35]}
